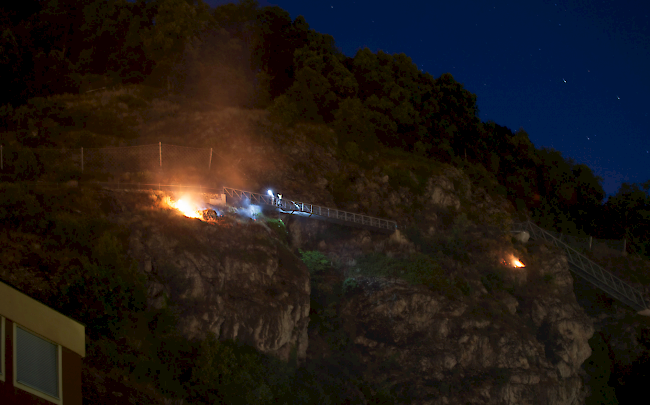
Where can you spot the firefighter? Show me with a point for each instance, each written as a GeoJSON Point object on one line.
{"type": "Point", "coordinates": [279, 200]}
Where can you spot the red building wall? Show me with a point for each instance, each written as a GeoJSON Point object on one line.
{"type": "Point", "coordinates": [71, 370]}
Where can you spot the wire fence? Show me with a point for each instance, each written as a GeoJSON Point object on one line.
{"type": "Point", "coordinates": [31, 162]}
{"type": "Point", "coordinates": [143, 158]}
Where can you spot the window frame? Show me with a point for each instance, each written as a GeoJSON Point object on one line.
{"type": "Point", "coordinates": [27, 388]}
{"type": "Point", "coordinates": [2, 349]}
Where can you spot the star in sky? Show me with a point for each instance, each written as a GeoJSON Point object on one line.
{"type": "Point", "coordinates": [560, 56]}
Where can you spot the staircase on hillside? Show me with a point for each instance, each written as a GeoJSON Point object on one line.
{"type": "Point", "coordinates": [578, 263]}
{"type": "Point", "coordinates": [590, 271]}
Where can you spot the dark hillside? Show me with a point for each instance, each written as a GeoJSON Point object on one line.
{"type": "Point", "coordinates": [246, 97]}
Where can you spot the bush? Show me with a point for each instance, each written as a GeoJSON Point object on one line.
{"type": "Point", "coordinates": [339, 187]}
{"type": "Point", "coordinates": [315, 261]}
{"type": "Point", "coordinates": [352, 151]}
{"type": "Point", "coordinates": [284, 111]}
{"type": "Point", "coordinates": [19, 207]}
{"type": "Point", "coordinates": [26, 166]}
{"type": "Point", "coordinates": [417, 269]}
{"type": "Point", "coordinates": [493, 281]}
{"type": "Point", "coordinates": [350, 284]}
{"type": "Point", "coordinates": [279, 228]}
{"type": "Point", "coordinates": [401, 177]}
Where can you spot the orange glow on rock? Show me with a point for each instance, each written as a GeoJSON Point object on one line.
{"type": "Point", "coordinates": [514, 262]}
{"type": "Point", "coordinates": [517, 263]}
{"type": "Point", "coordinates": [184, 206]}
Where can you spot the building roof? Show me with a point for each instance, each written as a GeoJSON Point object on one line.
{"type": "Point", "coordinates": [42, 319]}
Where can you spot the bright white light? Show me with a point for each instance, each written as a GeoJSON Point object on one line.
{"type": "Point", "coordinates": [270, 193]}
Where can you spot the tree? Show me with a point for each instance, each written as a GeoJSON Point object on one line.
{"type": "Point", "coordinates": [175, 23]}
{"type": "Point", "coordinates": [629, 213]}
{"type": "Point", "coordinates": [274, 46]}
{"type": "Point", "coordinates": [351, 122]}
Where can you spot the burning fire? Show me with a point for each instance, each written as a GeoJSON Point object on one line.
{"type": "Point", "coordinates": [514, 262]}
{"type": "Point", "coordinates": [185, 207]}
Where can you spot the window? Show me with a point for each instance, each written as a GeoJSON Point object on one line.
{"type": "Point", "coordinates": [2, 348]}
{"type": "Point", "coordinates": [37, 365]}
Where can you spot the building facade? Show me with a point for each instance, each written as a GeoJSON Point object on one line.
{"type": "Point", "coordinates": [41, 352]}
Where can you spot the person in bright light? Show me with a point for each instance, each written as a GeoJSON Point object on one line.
{"type": "Point", "coordinates": [279, 199]}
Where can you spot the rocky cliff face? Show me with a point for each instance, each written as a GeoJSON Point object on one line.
{"type": "Point", "coordinates": [524, 346]}
{"type": "Point", "coordinates": [234, 278]}
{"type": "Point", "coordinates": [229, 277]}
{"type": "Point", "coordinates": [483, 349]}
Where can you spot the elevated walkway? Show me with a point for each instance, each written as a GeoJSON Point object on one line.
{"type": "Point", "coordinates": [314, 211]}
{"type": "Point", "coordinates": [590, 271]}
{"type": "Point", "coordinates": [285, 206]}
{"type": "Point", "coordinates": [578, 263]}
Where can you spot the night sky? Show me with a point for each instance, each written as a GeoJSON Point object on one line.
{"type": "Point", "coordinates": [574, 74]}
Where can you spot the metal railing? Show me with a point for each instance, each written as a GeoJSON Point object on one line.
{"type": "Point", "coordinates": [287, 206]}
{"type": "Point", "coordinates": [587, 269]}
{"type": "Point", "coordinates": [291, 207]}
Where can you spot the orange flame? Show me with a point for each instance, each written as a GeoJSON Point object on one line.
{"type": "Point", "coordinates": [517, 263]}
{"type": "Point", "coordinates": [514, 262]}
{"type": "Point", "coordinates": [185, 207]}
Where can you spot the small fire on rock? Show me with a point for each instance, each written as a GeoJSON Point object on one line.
{"type": "Point", "coordinates": [514, 262]}
{"type": "Point", "coordinates": [185, 207]}
{"type": "Point", "coordinates": [190, 210]}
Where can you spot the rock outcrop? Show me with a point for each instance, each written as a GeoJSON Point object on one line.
{"type": "Point", "coordinates": [487, 349]}
{"type": "Point", "coordinates": [230, 277]}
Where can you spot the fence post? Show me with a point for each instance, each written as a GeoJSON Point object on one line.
{"type": "Point", "coordinates": [82, 159]}
{"type": "Point", "coordinates": [160, 153]}
{"type": "Point", "coordinates": [210, 162]}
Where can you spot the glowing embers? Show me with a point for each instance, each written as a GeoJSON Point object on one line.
{"type": "Point", "coordinates": [513, 261]}
{"type": "Point", "coordinates": [185, 206]}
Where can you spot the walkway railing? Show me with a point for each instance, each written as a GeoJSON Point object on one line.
{"type": "Point", "coordinates": [589, 270]}
{"type": "Point", "coordinates": [292, 207]}
{"type": "Point", "coordinates": [287, 206]}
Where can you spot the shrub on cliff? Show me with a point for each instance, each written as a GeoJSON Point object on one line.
{"type": "Point", "coordinates": [315, 261]}
{"type": "Point", "coordinates": [279, 228]}
{"type": "Point", "coordinates": [417, 269]}
{"type": "Point", "coordinates": [284, 111]}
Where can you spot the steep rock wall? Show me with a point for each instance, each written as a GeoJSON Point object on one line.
{"type": "Point", "coordinates": [482, 349]}
{"type": "Point", "coordinates": [229, 277]}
